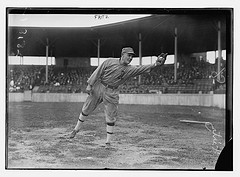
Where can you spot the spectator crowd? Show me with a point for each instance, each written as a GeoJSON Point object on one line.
{"type": "Point", "coordinates": [73, 80]}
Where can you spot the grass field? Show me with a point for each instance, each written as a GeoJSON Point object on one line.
{"type": "Point", "coordinates": [146, 137]}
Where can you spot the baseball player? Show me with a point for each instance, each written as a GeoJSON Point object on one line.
{"type": "Point", "coordinates": [103, 87]}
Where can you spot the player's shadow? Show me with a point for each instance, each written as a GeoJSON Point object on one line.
{"type": "Point", "coordinates": [225, 159]}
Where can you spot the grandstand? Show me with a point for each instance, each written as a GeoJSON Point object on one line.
{"type": "Point", "coordinates": [190, 73]}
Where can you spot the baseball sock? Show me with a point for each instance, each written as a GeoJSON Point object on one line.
{"type": "Point", "coordinates": [110, 127]}
{"type": "Point", "coordinates": [80, 121]}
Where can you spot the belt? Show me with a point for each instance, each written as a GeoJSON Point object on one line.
{"type": "Point", "coordinates": [109, 86]}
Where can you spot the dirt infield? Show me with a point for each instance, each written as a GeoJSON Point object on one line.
{"type": "Point", "coordinates": [146, 137]}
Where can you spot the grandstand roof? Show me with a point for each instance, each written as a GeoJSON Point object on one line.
{"type": "Point", "coordinates": [197, 32]}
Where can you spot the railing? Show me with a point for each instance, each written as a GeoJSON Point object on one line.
{"type": "Point", "coordinates": [209, 100]}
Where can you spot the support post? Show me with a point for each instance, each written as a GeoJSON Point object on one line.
{"type": "Point", "coordinates": [51, 57]}
{"type": "Point", "coordinates": [219, 50]}
{"type": "Point", "coordinates": [140, 55]}
{"type": "Point", "coordinates": [175, 55]}
{"type": "Point", "coordinates": [98, 52]}
{"type": "Point", "coordinates": [47, 62]}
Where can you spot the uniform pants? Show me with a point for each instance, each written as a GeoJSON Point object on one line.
{"type": "Point", "coordinates": [110, 99]}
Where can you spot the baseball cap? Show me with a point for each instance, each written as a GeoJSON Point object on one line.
{"type": "Point", "coordinates": [128, 50]}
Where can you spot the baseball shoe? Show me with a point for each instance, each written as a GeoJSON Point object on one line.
{"type": "Point", "coordinates": [73, 134]}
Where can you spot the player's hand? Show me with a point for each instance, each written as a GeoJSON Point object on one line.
{"type": "Point", "coordinates": [89, 89]}
{"type": "Point", "coordinates": [161, 59]}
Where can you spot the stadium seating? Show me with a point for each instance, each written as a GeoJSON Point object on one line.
{"type": "Point", "coordinates": [194, 79]}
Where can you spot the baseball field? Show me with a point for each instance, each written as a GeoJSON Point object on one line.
{"type": "Point", "coordinates": [145, 137]}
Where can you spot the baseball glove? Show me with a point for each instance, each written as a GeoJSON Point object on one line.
{"type": "Point", "coordinates": [161, 59]}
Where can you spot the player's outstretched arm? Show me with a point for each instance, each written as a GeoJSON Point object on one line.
{"type": "Point", "coordinates": [138, 70]}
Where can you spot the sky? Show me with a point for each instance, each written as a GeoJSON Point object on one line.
{"type": "Point", "coordinates": [68, 20]}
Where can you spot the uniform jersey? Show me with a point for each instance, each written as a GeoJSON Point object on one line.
{"type": "Point", "coordinates": [113, 73]}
